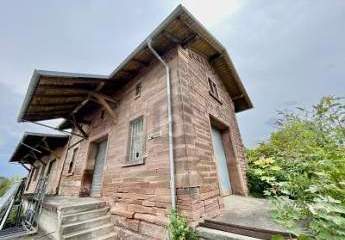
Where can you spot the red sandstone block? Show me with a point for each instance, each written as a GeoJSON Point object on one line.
{"type": "Point", "coordinates": [122, 212]}
{"type": "Point", "coordinates": [131, 224]}
{"type": "Point", "coordinates": [147, 203]}
{"type": "Point", "coordinates": [124, 234]}
{"type": "Point", "coordinates": [159, 220]}
{"type": "Point", "coordinates": [141, 209]}
{"type": "Point", "coordinates": [152, 230]}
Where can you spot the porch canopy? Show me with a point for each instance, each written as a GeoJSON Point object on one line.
{"type": "Point", "coordinates": [63, 95]}
{"type": "Point", "coordinates": [33, 146]}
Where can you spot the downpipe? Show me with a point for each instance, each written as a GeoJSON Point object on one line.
{"type": "Point", "coordinates": [170, 127]}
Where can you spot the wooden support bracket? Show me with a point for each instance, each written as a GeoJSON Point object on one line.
{"type": "Point", "coordinates": [102, 100]}
{"type": "Point", "coordinates": [23, 165]}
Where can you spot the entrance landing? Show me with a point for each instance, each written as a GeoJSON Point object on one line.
{"type": "Point", "coordinates": [247, 216]}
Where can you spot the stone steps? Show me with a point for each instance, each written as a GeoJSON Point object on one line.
{"type": "Point", "coordinates": [83, 207]}
{"type": "Point", "coordinates": [88, 220]}
{"type": "Point", "coordinates": [82, 225]}
{"type": "Point", "coordinates": [240, 230]}
{"type": "Point", "coordinates": [82, 216]}
{"type": "Point", "coordinates": [91, 233]}
{"type": "Point", "coordinates": [213, 234]}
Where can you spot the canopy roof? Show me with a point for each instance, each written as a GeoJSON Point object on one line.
{"type": "Point", "coordinates": [36, 145]}
{"type": "Point", "coordinates": [58, 95]}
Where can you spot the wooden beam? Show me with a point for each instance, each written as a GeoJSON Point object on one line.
{"type": "Point", "coordinates": [99, 95]}
{"type": "Point", "coordinates": [142, 63]}
{"type": "Point", "coordinates": [70, 81]}
{"type": "Point", "coordinates": [79, 127]}
{"type": "Point", "coordinates": [102, 101]}
{"type": "Point", "coordinates": [237, 97]}
{"type": "Point", "coordinates": [31, 148]}
{"type": "Point", "coordinates": [171, 37]}
{"type": "Point", "coordinates": [23, 165]}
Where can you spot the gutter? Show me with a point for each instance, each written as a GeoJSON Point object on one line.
{"type": "Point", "coordinates": [170, 127]}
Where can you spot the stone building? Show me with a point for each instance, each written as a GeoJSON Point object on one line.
{"type": "Point", "coordinates": [180, 80]}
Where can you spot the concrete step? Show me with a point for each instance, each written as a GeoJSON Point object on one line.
{"type": "Point", "coordinates": [82, 216]}
{"type": "Point", "coordinates": [82, 207]}
{"type": "Point", "coordinates": [83, 225]}
{"type": "Point", "coordinates": [213, 234]}
{"type": "Point", "coordinates": [245, 230]}
{"type": "Point", "coordinates": [91, 233]}
{"type": "Point", "coordinates": [110, 236]}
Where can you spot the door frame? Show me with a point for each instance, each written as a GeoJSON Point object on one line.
{"type": "Point", "coordinates": [236, 175]}
{"type": "Point", "coordinates": [222, 127]}
{"type": "Point", "coordinates": [96, 140]}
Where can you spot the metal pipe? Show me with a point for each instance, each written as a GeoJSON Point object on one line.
{"type": "Point", "coordinates": [32, 148]}
{"type": "Point", "coordinates": [57, 129]}
{"type": "Point", "coordinates": [170, 126]}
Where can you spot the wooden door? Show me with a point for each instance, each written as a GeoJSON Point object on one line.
{"type": "Point", "coordinates": [97, 179]}
{"type": "Point", "coordinates": [221, 162]}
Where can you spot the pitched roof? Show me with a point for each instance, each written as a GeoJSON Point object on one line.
{"type": "Point", "coordinates": [57, 95]}
{"type": "Point", "coordinates": [37, 145]}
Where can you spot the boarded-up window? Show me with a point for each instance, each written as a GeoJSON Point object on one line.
{"type": "Point", "coordinates": [213, 88]}
{"type": "Point", "coordinates": [136, 141]}
{"type": "Point", "coordinates": [71, 163]}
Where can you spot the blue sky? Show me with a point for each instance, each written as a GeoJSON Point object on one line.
{"type": "Point", "coordinates": [288, 53]}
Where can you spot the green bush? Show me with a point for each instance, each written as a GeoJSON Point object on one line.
{"type": "Point", "coordinates": [179, 229]}
{"type": "Point", "coordinates": [5, 184]}
{"type": "Point", "coordinates": [302, 168]}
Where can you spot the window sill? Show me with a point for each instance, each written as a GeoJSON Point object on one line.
{"type": "Point", "coordinates": [215, 97]}
{"type": "Point", "coordinates": [133, 164]}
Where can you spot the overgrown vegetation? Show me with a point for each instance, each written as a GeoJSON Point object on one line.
{"type": "Point", "coordinates": [179, 229]}
{"type": "Point", "coordinates": [5, 184]}
{"type": "Point", "coordinates": [302, 168]}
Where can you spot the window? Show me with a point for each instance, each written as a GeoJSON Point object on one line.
{"type": "Point", "coordinates": [138, 90]}
{"type": "Point", "coordinates": [136, 141]}
{"type": "Point", "coordinates": [50, 166]}
{"type": "Point", "coordinates": [71, 163]}
{"type": "Point", "coordinates": [36, 173]}
{"type": "Point", "coordinates": [213, 88]}
{"type": "Point", "coordinates": [30, 177]}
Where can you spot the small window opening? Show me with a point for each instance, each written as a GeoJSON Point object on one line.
{"type": "Point", "coordinates": [50, 166]}
{"type": "Point", "coordinates": [30, 178]}
{"type": "Point", "coordinates": [213, 88]}
{"type": "Point", "coordinates": [71, 163]}
{"type": "Point", "coordinates": [36, 173]}
{"type": "Point", "coordinates": [138, 90]}
{"type": "Point", "coordinates": [136, 140]}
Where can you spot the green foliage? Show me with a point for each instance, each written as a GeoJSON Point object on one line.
{"type": "Point", "coordinates": [179, 229]}
{"type": "Point", "coordinates": [302, 167]}
{"type": "Point", "coordinates": [5, 184]}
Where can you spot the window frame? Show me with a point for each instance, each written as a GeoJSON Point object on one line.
{"type": "Point", "coordinates": [37, 170]}
{"type": "Point", "coordinates": [30, 179]}
{"type": "Point", "coordinates": [128, 161]}
{"type": "Point", "coordinates": [213, 89]}
{"type": "Point", "coordinates": [71, 164]}
{"type": "Point", "coordinates": [138, 89]}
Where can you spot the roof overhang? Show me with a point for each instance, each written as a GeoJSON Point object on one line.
{"type": "Point", "coordinates": [56, 95]}
{"type": "Point", "coordinates": [33, 146]}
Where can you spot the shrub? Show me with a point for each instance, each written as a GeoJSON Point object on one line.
{"type": "Point", "coordinates": [302, 167]}
{"type": "Point", "coordinates": [179, 229]}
